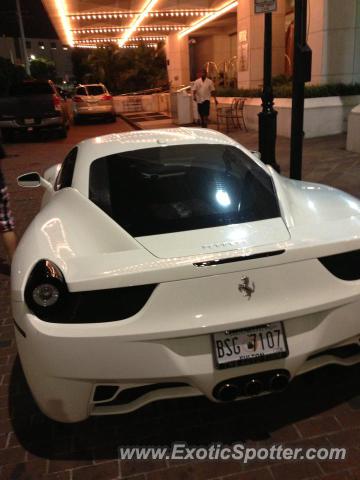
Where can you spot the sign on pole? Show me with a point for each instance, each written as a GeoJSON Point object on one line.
{"type": "Point", "coordinates": [265, 6]}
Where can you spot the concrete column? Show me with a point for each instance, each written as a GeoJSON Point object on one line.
{"type": "Point", "coordinates": [334, 36]}
{"type": "Point", "coordinates": [177, 53]}
{"type": "Point", "coordinates": [250, 29]}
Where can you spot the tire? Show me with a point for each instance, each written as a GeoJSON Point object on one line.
{"type": "Point", "coordinates": [113, 118]}
{"type": "Point", "coordinates": [76, 120]}
{"type": "Point", "coordinates": [7, 135]}
{"type": "Point", "coordinates": [63, 131]}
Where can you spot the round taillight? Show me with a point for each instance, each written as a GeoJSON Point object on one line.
{"type": "Point", "coordinates": [46, 293]}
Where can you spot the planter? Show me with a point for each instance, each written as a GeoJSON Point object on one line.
{"type": "Point", "coordinates": [323, 116]}
{"type": "Point", "coordinates": [157, 102]}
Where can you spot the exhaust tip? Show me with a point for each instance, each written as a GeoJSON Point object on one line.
{"type": "Point", "coordinates": [253, 387]}
{"type": "Point", "coordinates": [227, 392]}
{"type": "Point", "coordinates": [279, 382]}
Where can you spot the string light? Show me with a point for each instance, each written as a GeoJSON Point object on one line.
{"type": "Point", "coordinates": [138, 20]}
{"type": "Point", "coordinates": [154, 13]}
{"type": "Point", "coordinates": [148, 45]}
{"type": "Point", "coordinates": [203, 21]}
{"type": "Point", "coordinates": [115, 40]}
{"type": "Point", "coordinates": [122, 29]}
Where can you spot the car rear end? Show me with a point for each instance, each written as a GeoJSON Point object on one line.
{"type": "Point", "coordinates": [202, 291]}
{"type": "Point", "coordinates": [33, 106]}
{"type": "Point", "coordinates": [93, 101]}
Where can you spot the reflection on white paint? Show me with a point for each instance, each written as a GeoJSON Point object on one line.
{"type": "Point", "coordinates": [54, 231]}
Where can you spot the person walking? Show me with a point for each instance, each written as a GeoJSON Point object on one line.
{"type": "Point", "coordinates": [203, 90]}
{"type": "Point", "coordinates": [7, 224]}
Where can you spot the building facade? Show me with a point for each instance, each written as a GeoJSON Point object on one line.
{"type": "Point", "coordinates": [51, 49]}
{"type": "Point", "coordinates": [236, 47]}
{"type": "Point", "coordinates": [226, 36]}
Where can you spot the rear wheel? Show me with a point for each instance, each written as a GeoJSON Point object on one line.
{"type": "Point", "coordinates": [63, 131]}
{"type": "Point", "coordinates": [7, 135]}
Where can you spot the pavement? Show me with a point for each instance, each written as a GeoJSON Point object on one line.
{"type": "Point", "coordinates": [320, 409]}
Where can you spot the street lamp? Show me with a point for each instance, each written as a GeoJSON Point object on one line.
{"type": "Point", "coordinates": [22, 37]}
{"type": "Point", "coordinates": [268, 116]}
{"type": "Point", "coordinates": [301, 74]}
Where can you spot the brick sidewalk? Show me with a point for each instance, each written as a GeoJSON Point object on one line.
{"type": "Point", "coordinates": [319, 409]}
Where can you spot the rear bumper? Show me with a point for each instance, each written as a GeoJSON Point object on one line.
{"type": "Point", "coordinates": [65, 363]}
{"type": "Point", "coordinates": [94, 111]}
{"type": "Point", "coordinates": [41, 123]}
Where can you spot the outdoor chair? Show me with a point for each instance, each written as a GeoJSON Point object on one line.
{"type": "Point", "coordinates": [231, 115]}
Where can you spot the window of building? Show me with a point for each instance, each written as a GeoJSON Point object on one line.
{"type": "Point", "coordinates": [53, 45]}
{"type": "Point", "coordinates": [41, 45]}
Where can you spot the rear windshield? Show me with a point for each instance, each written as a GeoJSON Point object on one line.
{"type": "Point", "coordinates": [95, 90]}
{"type": "Point", "coordinates": [183, 187]}
{"type": "Point", "coordinates": [31, 89]}
{"type": "Point", "coordinates": [81, 91]}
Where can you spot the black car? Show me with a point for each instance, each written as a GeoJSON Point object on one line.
{"type": "Point", "coordinates": [31, 106]}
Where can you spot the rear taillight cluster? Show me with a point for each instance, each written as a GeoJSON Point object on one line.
{"type": "Point", "coordinates": [47, 296]}
{"type": "Point", "coordinates": [77, 99]}
{"type": "Point", "coordinates": [57, 102]}
{"type": "Point", "coordinates": [106, 97]}
{"type": "Point", "coordinates": [345, 266]}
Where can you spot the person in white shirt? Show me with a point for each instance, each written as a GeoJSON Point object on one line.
{"type": "Point", "coordinates": [203, 89]}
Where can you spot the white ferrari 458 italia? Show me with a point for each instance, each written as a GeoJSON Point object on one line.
{"type": "Point", "coordinates": [174, 263]}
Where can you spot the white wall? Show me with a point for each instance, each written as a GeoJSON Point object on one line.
{"type": "Point", "coordinates": [177, 54]}
{"type": "Point", "coordinates": [323, 116]}
{"type": "Point", "coordinates": [253, 24]}
{"type": "Point", "coordinates": [334, 36]}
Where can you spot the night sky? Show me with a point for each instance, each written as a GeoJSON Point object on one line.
{"type": "Point", "coordinates": [35, 19]}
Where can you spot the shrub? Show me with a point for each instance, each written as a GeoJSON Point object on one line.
{"type": "Point", "coordinates": [10, 75]}
{"type": "Point", "coordinates": [42, 69]}
{"type": "Point", "coordinates": [284, 90]}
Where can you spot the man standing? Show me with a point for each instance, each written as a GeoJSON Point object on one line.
{"type": "Point", "coordinates": [203, 89]}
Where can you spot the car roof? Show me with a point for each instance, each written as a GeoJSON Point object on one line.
{"type": "Point", "coordinates": [90, 85]}
{"type": "Point", "coordinates": [113, 143]}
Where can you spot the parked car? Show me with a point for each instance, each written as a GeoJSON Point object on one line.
{"type": "Point", "coordinates": [93, 101]}
{"type": "Point", "coordinates": [32, 106]}
{"type": "Point", "coordinates": [174, 263]}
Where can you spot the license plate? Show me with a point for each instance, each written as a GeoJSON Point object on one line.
{"type": "Point", "coordinates": [250, 345]}
{"type": "Point", "coordinates": [29, 121]}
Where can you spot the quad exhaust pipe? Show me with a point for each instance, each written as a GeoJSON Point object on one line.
{"type": "Point", "coordinates": [279, 382]}
{"type": "Point", "coordinates": [251, 385]}
{"type": "Point", "coordinates": [228, 392]}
